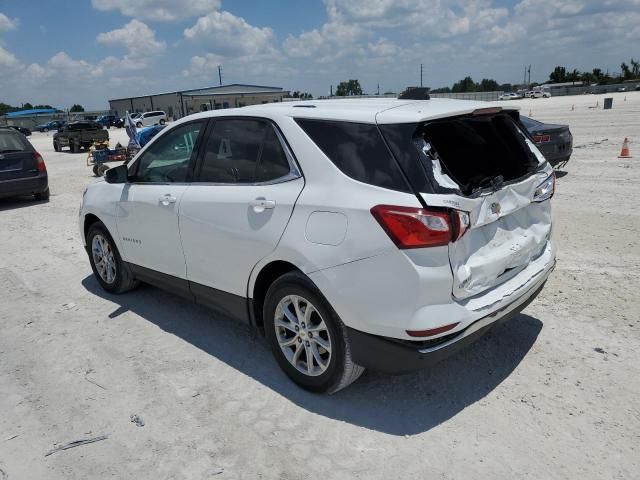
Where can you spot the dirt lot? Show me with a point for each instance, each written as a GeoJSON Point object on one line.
{"type": "Point", "coordinates": [552, 394]}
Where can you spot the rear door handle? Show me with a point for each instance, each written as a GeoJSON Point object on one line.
{"type": "Point", "coordinates": [260, 205]}
{"type": "Point", "coordinates": [167, 199]}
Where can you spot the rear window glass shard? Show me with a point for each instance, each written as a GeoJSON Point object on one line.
{"type": "Point", "coordinates": [358, 150]}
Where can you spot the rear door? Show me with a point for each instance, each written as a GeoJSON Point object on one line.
{"type": "Point", "coordinates": [16, 156]}
{"type": "Point", "coordinates": [235, 212]}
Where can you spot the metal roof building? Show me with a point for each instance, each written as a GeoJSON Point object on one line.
{"type": "Point", "coordinates": [33, 111]}
{"type": "Point", "coordinates": [184, 102]}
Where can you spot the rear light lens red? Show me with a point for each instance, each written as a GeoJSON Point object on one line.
{"type": "Point", "coordinates": [432, 331]}
{"type": "Point", "coordinates": [542, 138]}
{"type": "Point", "coordinates": [40, 162]}
{"type": "Point", "coordinates": [411, 227]}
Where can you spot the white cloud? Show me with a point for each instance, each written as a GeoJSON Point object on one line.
{"type": "Point", "coordinates": [158, 10]}
{"type": "Point", "coordinates": [7, 59]}
{"type": "Point", "coordinates": [139, 40]}
{"type": "Point", "coordinates": [227, 33]}
{"type": "Point", "coordinates": [7, 24]}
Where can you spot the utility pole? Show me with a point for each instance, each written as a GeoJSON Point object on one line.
{"type": "Point", "coordinates": [378, 89]}
{"type": "Point", "coordinates": [420, 75]}
{"type": "Point", "coordinates": [220, 74]}
{"type": "Point", "coordinates": [529, 75]}
{"type": "Point", "coordinates": [331, 90]}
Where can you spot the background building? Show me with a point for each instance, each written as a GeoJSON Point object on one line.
{"type": "Point", "coordinates": [180, 103]}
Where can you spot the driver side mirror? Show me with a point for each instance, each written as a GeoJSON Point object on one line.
{"type": "Point", "coordinates": [117, 174]}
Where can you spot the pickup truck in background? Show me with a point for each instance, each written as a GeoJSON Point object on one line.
{"type": "Point", "coordinates": [77, 135]}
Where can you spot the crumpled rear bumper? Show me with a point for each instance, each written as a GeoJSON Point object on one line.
{"type": "Point", "coordinates": [395, 356]}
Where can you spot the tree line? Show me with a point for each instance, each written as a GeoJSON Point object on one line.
{"type": "Point", "coordinates": [6, 108]}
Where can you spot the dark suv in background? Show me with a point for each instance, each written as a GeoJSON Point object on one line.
{"type": "Point", "coordinates": [107, 120]}
{"type": "Point", "coordinates": [22, 169]}
{"type": "Point", "coordinates": [77, 135]}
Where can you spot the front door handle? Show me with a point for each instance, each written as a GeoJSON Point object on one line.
{"type": "Point", "coordinates": [261, 204]}
{"type": "Point", "coordinates": [167, 199]}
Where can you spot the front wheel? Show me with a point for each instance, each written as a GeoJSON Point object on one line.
{"type": "Point", "coordinates": [162, 121]}
{"type": "Point", "coordinates": [306, 336]}
{"type": "Point", "coordinates": [107, 265]}
{"type": "Point", "coordinates": [139, 125]}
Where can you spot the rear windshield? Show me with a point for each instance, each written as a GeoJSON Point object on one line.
{"type": "Point", "coordinates": [465, 154]}
{"type": "Point", "coordinates": [358, 150]}
{"type": "Point", "coordinates": [12, 142]}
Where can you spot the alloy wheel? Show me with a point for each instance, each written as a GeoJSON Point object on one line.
{"type": "Point", "coordinates": [302, 335]}
{"type": "Point", "coordinates": [104, 258]}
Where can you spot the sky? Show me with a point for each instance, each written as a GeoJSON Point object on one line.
{"type": "Point", "coordinates": [88, 51]}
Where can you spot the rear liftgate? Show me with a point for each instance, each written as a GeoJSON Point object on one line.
{"type": "Point", "coordinates": [486, 171]}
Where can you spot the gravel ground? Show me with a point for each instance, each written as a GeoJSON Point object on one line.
{"type": "Point", "coordinates": [183, 395]}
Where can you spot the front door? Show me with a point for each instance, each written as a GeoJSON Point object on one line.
{"type": "Point", "coordinates": [238, 206]}
{"type": "Point", "coordinates": [148, 213]}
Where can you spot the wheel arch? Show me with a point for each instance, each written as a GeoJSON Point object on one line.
{"type": "Point", "coordinates": [263, 280]}
{"type": "Point", "coordinates": [89, 219]}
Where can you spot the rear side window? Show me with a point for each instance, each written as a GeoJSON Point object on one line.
{"type": "Point", "coordinates": [12, 142]}
{"type": "Point", "coordinates": [358, 150]}
{"type": "Point", "coordinates": [243, 152]}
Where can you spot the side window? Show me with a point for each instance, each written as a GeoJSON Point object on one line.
{"type": "Point", "coordinates": [167, 159]}
{"type": "Point", "coordinates": [273, 162]}
{"type": "Point", "coordinates": [232, 150]}
{"type": "Point", "coordinates": [358, 150]}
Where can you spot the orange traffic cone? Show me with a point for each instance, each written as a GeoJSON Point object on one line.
{"type": "Point", "coordinates": [625, 153]}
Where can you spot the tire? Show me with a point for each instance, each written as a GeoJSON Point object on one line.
{"type": "Point", "coordinates": [56, 147]}
{"type": "Point", "coordinates": [40, 196]}
{"type": "Point", "coordinates": [75, 147]}
{"type": "Point", "coordinates": [45, 130]}
{"type": "Point", "coordinates": [162, 121]}
{"type": "Point", "coordinates": [95, 169]}
{"type": "Point", "coordinates": [331, 369]}
{"type": "Point", "coordinates": [114, 276]}
{"type": "Point", "coordinates": [139, 125]}
{"type": "Point", "coordinates": [102, 169]}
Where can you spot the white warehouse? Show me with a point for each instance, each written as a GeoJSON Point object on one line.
{"type": "Point", "coordinates": [181, 103]}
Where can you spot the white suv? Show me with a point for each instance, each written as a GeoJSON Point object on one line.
{"type": "Point", "coordinates": [355, 233]}
{"type": "Point", "coordinates": [150, 118]}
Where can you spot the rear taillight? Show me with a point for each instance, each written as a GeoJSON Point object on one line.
{"type": "Point", "coordinates": [542, 138]}
{"type": "Point", "coordinates": [411, 227]}
{"type": "Point", "coordinates": [39, 162]}
{"type": "Point", "coordinates": [545, 190]}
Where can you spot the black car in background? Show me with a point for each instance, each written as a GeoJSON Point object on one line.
{"type": "Point", "coordinates": [554, 141]}
{"type": "Point", "coordinates": [22, 169]}
{"type": "Point", "coordinates": [23, 130]}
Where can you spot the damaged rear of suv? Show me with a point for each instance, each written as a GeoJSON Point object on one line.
{"type": "Point", "coordinates": [476, 249]}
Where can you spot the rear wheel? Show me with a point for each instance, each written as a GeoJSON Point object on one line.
{"type": "Point", "coordinates": [107, 265]}
{"type": "Point", "coordinates": [307, 338]}
{"type": "Point", "coordinates": [45, 130]}
{"type": "Point", "coordinates": [162, 121]}
{"type": "Point", "coordinates": [139, 125]}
